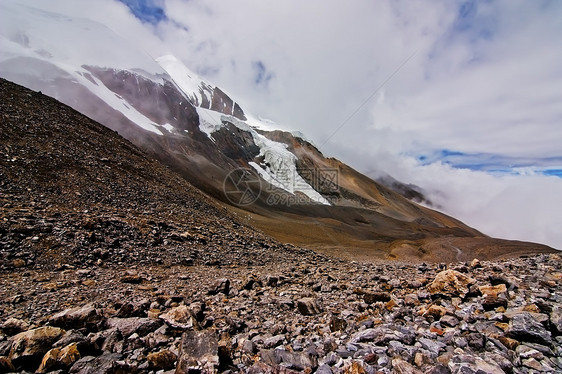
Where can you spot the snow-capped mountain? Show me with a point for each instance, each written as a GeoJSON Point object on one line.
{"type": "Point", "coordinates": [283, 182]}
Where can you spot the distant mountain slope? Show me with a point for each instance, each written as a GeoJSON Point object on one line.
{"type": "Point", "coordinates": [74, 192]}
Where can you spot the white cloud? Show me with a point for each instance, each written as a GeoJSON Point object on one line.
{"type": "Point", "coordinates": [521, 207]}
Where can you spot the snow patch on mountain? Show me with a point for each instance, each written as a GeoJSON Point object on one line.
{"type": "Point", "coordinates": [189, 83]}
{"type": "Point", "coordinates": [279, 165]}
{"type": "Point", "coordinates": [209, 121]}
{"type": "Point", "coordinates": [115, 101]}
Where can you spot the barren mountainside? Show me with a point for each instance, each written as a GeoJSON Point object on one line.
{"type": "Point", "coordinates": [74, 191]}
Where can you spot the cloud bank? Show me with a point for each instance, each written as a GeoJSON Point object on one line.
{"type": "Point", "coordinates": [473, 116]}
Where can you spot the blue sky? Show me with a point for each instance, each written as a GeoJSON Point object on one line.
{"type": "Point", "coordinates": [149, 11]}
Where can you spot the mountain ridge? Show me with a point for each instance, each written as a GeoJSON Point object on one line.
{"type": "Point", "coordinates": [201, 133]}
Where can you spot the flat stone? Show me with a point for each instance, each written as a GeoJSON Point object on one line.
{"type": "Point", "coordinates": [468, 364]}
{"type": "Point", "coordinates": [76, 318]}
{"type": "Point", "coordinates": [29, 347]}
{"type": "Point", "coordinates": [493, 290]}
{"type": "Point", "coordinates": [128, 326]}
{"type": "Point", "coordinates": [107, 363]}
{"type": "Point", "coordinates": [432, 345]}
{"type": "Point", "coordinates": [291, 360]}
{"type": "Point", "coordinates": [533, 364]}
{"type": "Point", "coordinates": [523, 327]}
{"type": "Point", "coordinates": [491, 302]}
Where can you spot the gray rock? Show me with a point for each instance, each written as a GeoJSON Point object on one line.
{"type": "Point", "coordinates": [107, 363]}
{"type": "Point", "coordinates": [291, 360]}
{"type": "Point", "coordinates": [525, 352]}
{"type": "Point", "coordinates": [273, 341]}
{"type": "Point", "coordinates": [249, 346]}
{"type": "Point", "coordinates": [384, 334]}
{"type": "Point", "coordinates": [432, 345]}
{"type": "Point", "coordinates": [76, 318]}
{"type": "Point", "coordinates": [523, 327]}
{"type": "Point", "coordinates": [324, 369]}
{"type": "Point", "coordinates": [448, 320]}
{"type": "Point", "coordinates": [128, 326]}
{"type": "Point", "coordinates": [468, 364]}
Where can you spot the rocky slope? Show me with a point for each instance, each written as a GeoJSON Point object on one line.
{"type": "Point", "coordinates": [311, 315]}
{"type": "Point", "coordinates": [111, 263]}
{"type": "Point", "coordinates": [75, 192]}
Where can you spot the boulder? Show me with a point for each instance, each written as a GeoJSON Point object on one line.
{"type": "Point", "coordinates": [14, 326]}
{"type": "Point", "coordinates": [76, 318]}
{"type": "Point", "coordinates": [180, 317]}
{"type": "Point", "coordinates": [29, 347]}
{"type": "Point", "coordinates": [451, 283]}
{"type": "Point", "coordinates": [524, 327]}
{"type": "Point", "coordinates": [198, 351]}
{"type": "Point", "coordinates": [307, 306]}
